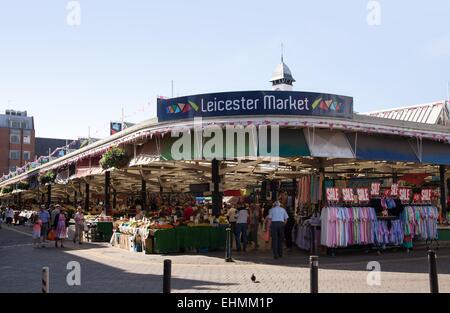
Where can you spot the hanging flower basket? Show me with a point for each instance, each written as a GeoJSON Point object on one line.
{"type": "Point", "coordinates": [7, 190]}
{"type": "Point", "coordinates": [48, 177]}
{"type": "Point", "coordinates": [114, 157]}
{"type": "Point", "coordinates": [23, 185]}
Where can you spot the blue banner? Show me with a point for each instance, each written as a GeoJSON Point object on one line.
{"type": "Point", "coordinates": [255, 103]}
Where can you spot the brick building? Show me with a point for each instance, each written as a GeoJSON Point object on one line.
{"type": "Point", "coordinates": [17, 140]}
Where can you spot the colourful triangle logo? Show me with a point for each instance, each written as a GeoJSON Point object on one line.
{"type": "Point", "coordinates": [186, 108]}
{"type": "Point", "coordinates": [193, 105]}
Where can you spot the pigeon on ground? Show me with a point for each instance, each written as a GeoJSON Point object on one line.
{"type": "Point", "coordinates": [253, 278]}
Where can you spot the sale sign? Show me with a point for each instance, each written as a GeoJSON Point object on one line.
{"type": "Point", "coordinates": [404, 194]}
{"type": "Point", "coordinates": [375, 189]}
{"type": "Point", "coordinates": [332, 194]}
{"type": "Point", "coordinates": [394, 190]}
{"type": "Point", "coordinates": [426, 195]}
{"type": "Point", "coordinates": [347, 194]}
{"type": "Point", "coordinates": [363, 194]}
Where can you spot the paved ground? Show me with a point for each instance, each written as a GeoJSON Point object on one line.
{"type": "Point", "coordinates": [108, 269]}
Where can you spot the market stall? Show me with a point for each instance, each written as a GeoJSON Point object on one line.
{"type": "Point", "coordinates": [164, 235]}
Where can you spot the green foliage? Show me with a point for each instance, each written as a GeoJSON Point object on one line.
{"type": "Point", "coordinates": [114, 157]}
{"type": "Point", "coordinates": [23, 185]}
{"type": "Point", "coordinates": [48, 177]}
{"type": "Point", "coordinates": [7, 189]}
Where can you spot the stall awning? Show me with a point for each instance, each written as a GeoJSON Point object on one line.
{"type": "Point", "coordinates": [435, 152]}
{"type": "Point", "coordinates": [328, 144]}
{"type": "Point", "coordinates": [87, 171]}
{"type": "Point", "coordinates": [381, 148]}
{"type": "Point", "coordinates": [292, 143]}
{"type": "Point", "coordinates": [143, 159]}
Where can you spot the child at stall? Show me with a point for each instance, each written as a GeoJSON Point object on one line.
{"type": "Point", "coordinates": [36, 230]}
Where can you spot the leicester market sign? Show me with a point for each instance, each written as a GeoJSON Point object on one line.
{"type": "Point", "coordinates": [255, 103]}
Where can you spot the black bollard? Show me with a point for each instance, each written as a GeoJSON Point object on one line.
{"type": "Point", "coordinates": [314, 273]}
{"type": "Point", "coordinates": [45, 280]}
{"type": "Point", "coordinates": [167, 276]}
{"type": "Point", "coordinates": [228, 246]}
{"type": "Point", "coordinates": [434, 284]}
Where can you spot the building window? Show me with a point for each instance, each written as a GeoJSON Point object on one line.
{"type": "Point", "coordinates": [15, 124]}
{"type": "Point", "coordinates": [27, 136]}
{"type": "Point", "coordinates": [26, 155]}
{"type": "Point", "coordinates": [14, 155]}
{"type": "Point", "coordinates": [14, 136]}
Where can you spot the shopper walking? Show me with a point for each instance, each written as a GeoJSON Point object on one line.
{"type": "Point", "coordinates": [241, 227]}
{"type": "Point", "coordinates": [37, 225]}
{"type": "Point", "coordinates": [53, 212]}
{"type": "Point", "coordinates": [60, 227]}
{"type": "Point", "coordinates": [79, 226]}
{"type": "Point", "coordinates": [9, 215]}
{"type": "Point", "coordinates": [255, 218]}
{"type": "Point", "coordinates": [289, 228]}
{"type": "Point", "coordinates": [44, 216]}
{"type": "Point", "coordinates": [278, 218]}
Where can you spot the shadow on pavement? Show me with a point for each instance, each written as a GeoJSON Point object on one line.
{"type": "Point", "coordinates": [21, 266]}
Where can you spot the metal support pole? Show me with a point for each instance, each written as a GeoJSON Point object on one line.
{"type": "Point", "coordinates": [167, 276]}
{"type": "Point", "coordinates": [49, 195]}
{"type": "Point", "coordinates": [45, 280]}
{"type": "Point", "coordinates": [314, 273]}
{"type": "Point", "coordinates": [216, 198]}
{"type": "Point", "coordinates": [114, 204]}
{"type": "Point", "coordinates": [86, 198]}
{"type": "Point", "coordinates": [434, 283]}
{"type": "Point", "coordinates": [144, 194]}
{"type": "Point", "coordinates": [106, 204]}
{"type": "Point", "coordinates": [228, 247]}
{"type": "Point", "coordinates": [442, 190]}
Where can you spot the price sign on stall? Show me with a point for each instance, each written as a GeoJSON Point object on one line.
{"type": "Point", "coordinates": [404, 194]}
{"type": "Point", "coordinates": [347, 194]}
{"type": "Point", "coordinates": [387, 192]}
{"type": "Point", "coordinates": [375, 189]}
{"type": "Point", "coordinates": [426, 195]}
{"type": "Point", "coordinates": [363, 194]}
{"type": "Point", "coordinates": [332, 194]}
{"type": "Point", "coordinates": [394, 190]}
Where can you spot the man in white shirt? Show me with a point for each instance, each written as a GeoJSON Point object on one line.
{"type": "Point", "coordinates": [278, 218]}
{"type": "Point", "coordinates": [9, 216]}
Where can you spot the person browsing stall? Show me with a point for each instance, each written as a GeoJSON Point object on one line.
{"type": "Point", "coordinates": [44, 216]}
{"type": "Point", "coordinates": [278, 217]}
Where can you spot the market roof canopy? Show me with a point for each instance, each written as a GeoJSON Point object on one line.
{"type": "Point", "coordinates": [328, 144]}
{"type": "Point", "coordinates": [378, 148]}
{"type": "Point", "coordinates": [435, 152]}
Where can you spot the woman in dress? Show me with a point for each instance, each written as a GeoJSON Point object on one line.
{"type": "Point", "coordinates": [60, 227]}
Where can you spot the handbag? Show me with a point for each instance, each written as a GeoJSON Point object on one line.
{"type": "Point", "coordinates": [51, 235]}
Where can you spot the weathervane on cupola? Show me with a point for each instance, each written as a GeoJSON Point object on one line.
{"type": "Point", "coordinates": [282, 78]}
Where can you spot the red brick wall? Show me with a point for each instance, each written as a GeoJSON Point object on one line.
{"type": "Point", "coordinates": [4, 150]}
{"type": "Point", "coordinates": [5, 147]}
